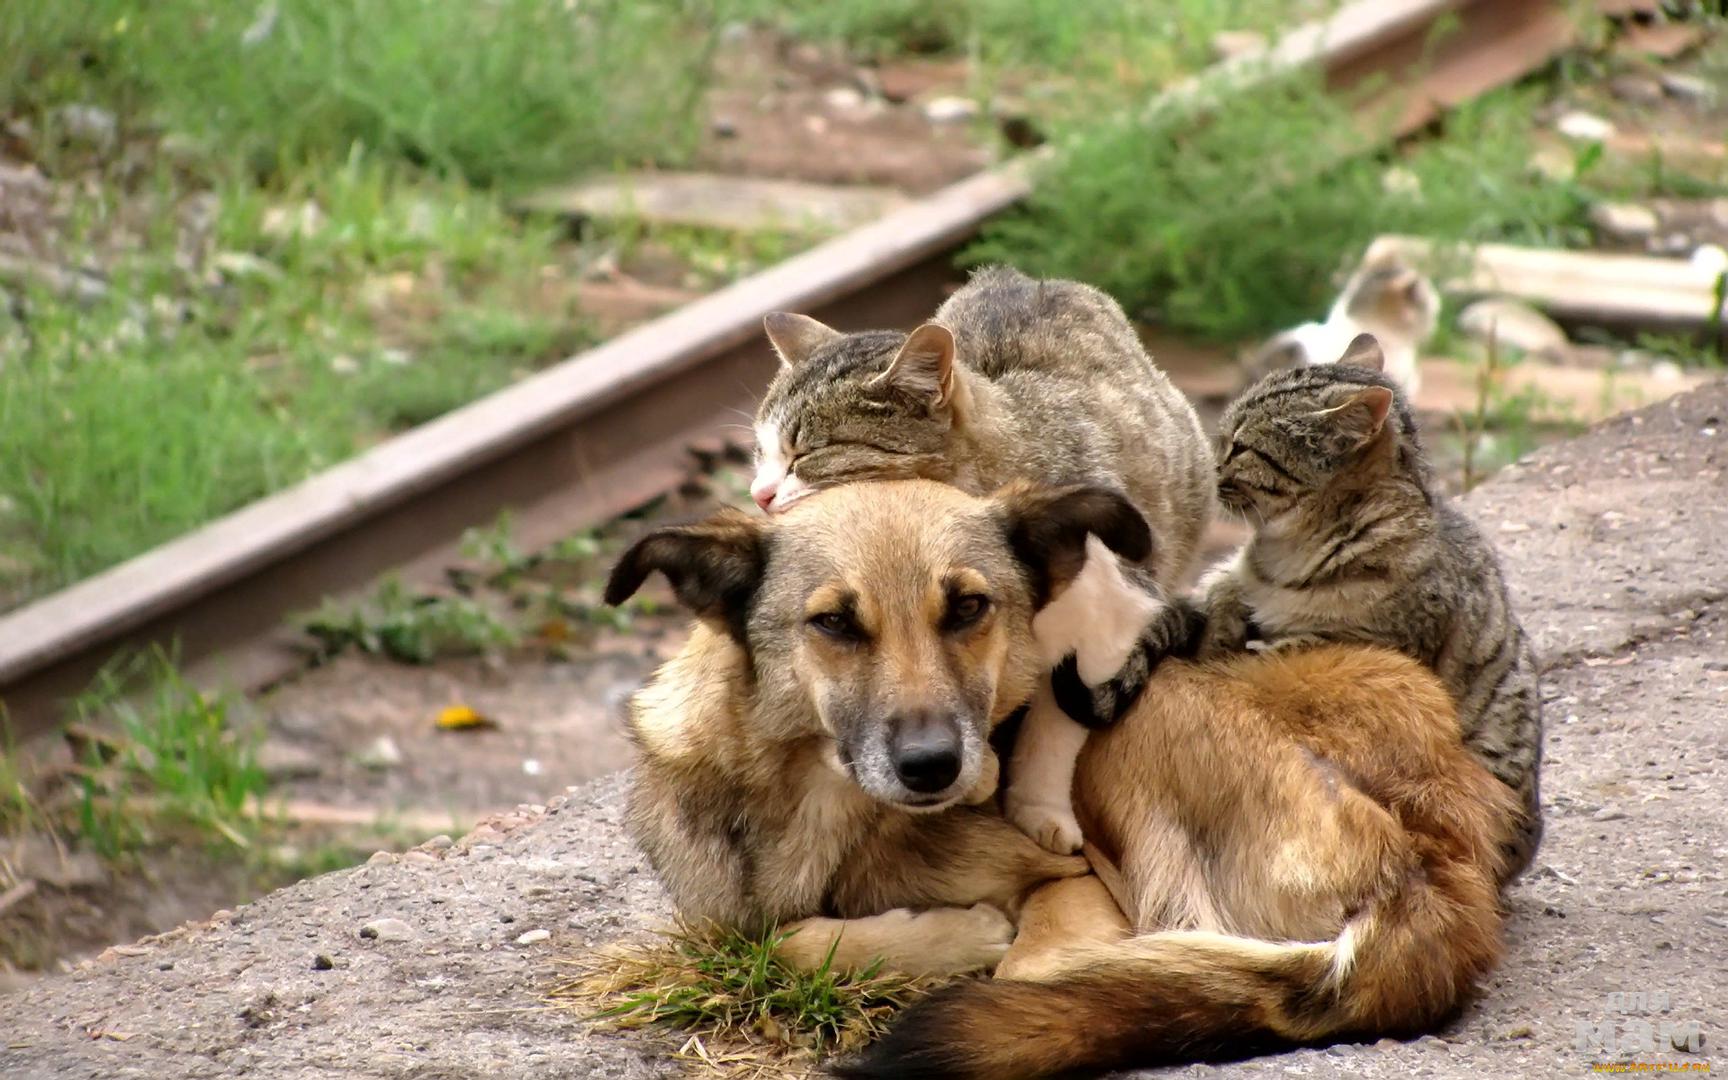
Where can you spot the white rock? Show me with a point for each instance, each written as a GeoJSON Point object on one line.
{"type": "Point", "coordinates": [286, 761]}
{"type": "Point", "coordinates": [843, 98]}
{"type": "Point", "coordinates": [1689, 88]}
{"type": "Point", "coordinates": [1711, 258]}
{"type": "Point", "coordinates": [380, 753]}
{"type": "Point", "coordinates": [240, 264]}
{"type": "Point", "coordinates": [1513, 324]}
{"type": "Point", "coordinates": [387, 930]}
{"type": "Point", "coordinates": [533, 937]}
{"type": "Point", "coordinates": [343, 364]}
{"type": "Point", "coordinates": [950, 110]}
{"type": "Point", "coordinates": [88, 124]}
{"type": "Point", "coordinates": [1625, 221]}
{"type": "Point", "coordinates": [1583, 126]}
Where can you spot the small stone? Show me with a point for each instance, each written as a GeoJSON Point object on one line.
{"type": "Point", "coordinates": [1230, 45]}
{"type": "Point", "coordinates": [1583, 126]}
{"type": "Point", "coordinates": [419, 858]}
{"type": "Point", "coordinates": [441, 842]}
{"type": "Point", "coordinates": [381, 858]}
{"type": "Point", "coordinates": [1515, 324]}
{"type": "Point", "coordinates": [1608, 813]}
{"type": "Point", "coordinates": [843, 98]}
{"type": "Point", "coordinates": [723, 127]}
{"type": "Point", "coordinates": [950, 109]}
{"type": "Point", "coordinates": [533, 937]}
{"type": "Point", "coordinates": [1710, 258]}
{"type": "Point", "coordinates": [382, 752]}
{"type": "Point", "coordinates": [240, 265]}
{"type": "Point", "coordinates": [1716, 665]}
{"type": "Point", "coordinates": [387, 930]}
{"type": "Point", "coordinates": [1625, 221]}
{"type": "Point", "coordinates": [343, 364]}
{"type": "Point", "coordinates": [88, 124]}
{"type": "Point", "coordinates": [1637, 89]}
{"type": "Point", "coordinates": [322, 962]}
{"type": "Point", "coordinates": [1689, 88]}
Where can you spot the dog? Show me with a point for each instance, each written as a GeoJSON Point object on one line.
{"type": "Point", "coordinates": [1304, 849]}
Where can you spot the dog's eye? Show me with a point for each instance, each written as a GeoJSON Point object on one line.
{"type": "Point", "coordinates": [836, 625]}
{"type": "Point", "coordinates": [966, 610]}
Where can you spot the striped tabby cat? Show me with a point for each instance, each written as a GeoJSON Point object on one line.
{"type": "Point", "coordinates": [1352, 543]}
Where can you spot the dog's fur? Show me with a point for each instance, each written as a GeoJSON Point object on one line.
{"type": "Point", "coordinates": [1304, 845]}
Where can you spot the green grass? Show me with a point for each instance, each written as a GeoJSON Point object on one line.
{"type": "Point", "coordinates": [119, 430]}
{"type": "Point", "coordinates": [412, 627]}
{"type": "Point", "coordinates": [505, 92]}
{"type": "Point", "coordinates": [1236, 226]}
{"type": "Point", "coordinates": [732, 993]}
{"type": "Point", "coordinates": [169, 760]}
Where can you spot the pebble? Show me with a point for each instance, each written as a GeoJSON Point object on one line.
{"type": "Point", "coordinates": [420, 858]}
{"type": "Point", "coordinates": [723, 127]}
{"type": "Point", "coordinates": [321, 962]}
{"type": "Point", "coordinates": [382, 752]}
{"type": "Point", "coordinates": [88, 124]}
{"type": "Point", "coordinates": [387, 930]}
{"type": "Point", "coordinates": [441, 842]}
{"type": "Point", "coordinates": [1689, 88]}
{"type": "Point", "coordinates": [1710, 258]}
{"type": "Point", "coordinates": [533, 937]}
{"type": "Point", "coordinates": [950, 109]}
{"type": "Point", "coordinates": [1513, 323]}
{"type": "Point", "coordinates": [1625, 221]}
{"type": "Point", "coordinates": [1583, 126]}
{"type": "Point", "coordinates": [381, 858]}
{"type": "Point", "coordinates": [843, 98]}
{"type": "Point", "coordinates": [1608, 813]}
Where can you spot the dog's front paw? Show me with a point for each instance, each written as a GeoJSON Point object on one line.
{"type": "Point", "coordinates": [965, 939]}
{"type": "Point", "coordinates": [1052, 825]}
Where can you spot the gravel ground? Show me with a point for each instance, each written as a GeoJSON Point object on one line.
{"type": "Point", "coordinates": [1618, 545]}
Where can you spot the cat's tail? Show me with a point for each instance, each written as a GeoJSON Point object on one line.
{"type": "Point", "coordinates": [1180, 996]}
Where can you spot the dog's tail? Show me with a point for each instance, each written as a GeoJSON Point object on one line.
{"type": "Point", "coordinates": [1181, 996]}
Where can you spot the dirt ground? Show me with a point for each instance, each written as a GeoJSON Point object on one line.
{"type": "Point", "coordinates": [1616, 545]}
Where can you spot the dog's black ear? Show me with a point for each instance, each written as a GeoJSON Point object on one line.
{"type": "Point", "coordinates": [714, 566]}
{"type": "Point", "coordinates": [1047, 528]}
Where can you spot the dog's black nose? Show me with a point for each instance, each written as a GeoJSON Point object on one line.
{"type": "Point", "coordinates": [926, 752]}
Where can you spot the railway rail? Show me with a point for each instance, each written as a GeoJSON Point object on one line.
{"type": "Point", "coordinates": [610, 428]}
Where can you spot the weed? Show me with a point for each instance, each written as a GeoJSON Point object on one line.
{"type": "Point", "coordinates": [509, 92]}
{"type": "Point", "coordinates": [1235, 226]}
{"type": "Point", "coordinates": [414, 628]}
{"type": "Point", "coordinates": [731, 990]}
{"type": "Point", "coordinates": [178, 759]}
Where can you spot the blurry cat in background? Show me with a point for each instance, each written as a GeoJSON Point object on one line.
{"type": "Point", "coordinates": [1386, 297]}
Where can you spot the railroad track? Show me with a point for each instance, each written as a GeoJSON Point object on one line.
{"type": "Point", "coordinates": [609, 429]}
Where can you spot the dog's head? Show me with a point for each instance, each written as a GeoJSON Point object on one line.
{"type": "Point", "coordinates": [893, 618]}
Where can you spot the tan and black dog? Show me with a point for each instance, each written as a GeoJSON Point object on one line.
{"type": "Point", "coordinates": [1305, 848]}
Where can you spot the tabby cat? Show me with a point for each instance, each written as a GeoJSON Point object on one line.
{"type": "Point", "coordinates": [1353, 543]}
{"type": "Point", "coordinates": [1015, 378]}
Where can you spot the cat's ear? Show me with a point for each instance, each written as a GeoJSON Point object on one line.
{"type": "Point", "coordinates": [1364, 351]}
{"type": "Point", "coordinates": [924, 367]}
{"type": "Point", "coordinates": [715, 567]}
{"type": "Point", "coordinates": [796, 337]}
{"type": "Point", "coordinates": [1047, 528]}
{"type": "Point", "coordinates": [1362, 417]}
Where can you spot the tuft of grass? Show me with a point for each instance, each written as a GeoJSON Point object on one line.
{"type": "Point", "coordinates": [1235, 225]}
{"type": "Point", "coordinates": [734, 997]}
{"type": "Point", "coordinates": [509, 92]}
{"type": "Point", "coordinates": [414, 628]}
{"type": "Point", "coordinates": [175, 760]}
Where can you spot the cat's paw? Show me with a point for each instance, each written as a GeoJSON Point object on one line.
{"type": "Point", "coordinates": [1052, 825]}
